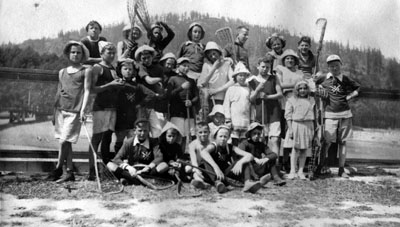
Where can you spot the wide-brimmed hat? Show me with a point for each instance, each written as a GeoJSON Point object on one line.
{"type": "Point", "coordinates": [289, 52]}
{"type": "Point", "coordinates": [253, 126]}
{"type": "Point", "coordinates": [142, 49]}
{"type": "Point", "coordinates": [85, 50]}
{"type": "Point", "coordinates": [182, 59]}
{"type": "Point", "coordinates": [332, 58]}
{"type": "Point", "coordinates": [240, 68]}
{"type": "Point", "coordinates": [268, 42]}
{"type": "Point", "coordinates": [216, 109]}
{"type": "Point", "coordinates": [168, 55]}
{"type": "Point", "coordinates": [212, 46]}
{"type": "Point", "coordinates": [219, 128]}
{"type": "Point", "coordinates": [191, 27]}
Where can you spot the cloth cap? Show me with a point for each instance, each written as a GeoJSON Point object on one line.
{"type": "Point", "coordinates": [219, 128]}
{"type": "Point", "coordinates": [182, 59]}
{"type": "Point", "coordinates": [190, 30]}
{"type": "Point", "coordinates": [84, 49]}
{"type": "Point", "coordinates": [333, 57]}
{"type": "Point", "coordinates": [212, 46]}
{"type": "Point", "coordinates": [216, 109]}
{"type": "Point", "coordinates": [289, 52]}
{"type": "Point", "coordinates": [253, 126]}
{"type": "Point", "coordinates": [142, 49]}
{"type": "Point", "coordinates": [240, 68]}
{"type": "Point", "coordinates": [268, 42]}
{"type": "Point", "coordinates": [168, 55]}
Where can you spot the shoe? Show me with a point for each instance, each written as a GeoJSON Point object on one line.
{"type": "Point", "coordinates": [220, 187]}
{"type": "Point", "coordinates": [199, 184]}
{"type": "Point", "coordinates": [278, 181]}
{"type": "Point", "coordinates": [265, 179]}
{"type": "Point", "coordinates": [54, 175]}
{"type": "Point", "coordinates": [342, 173]}
{"type": "Point", "coordinates": [124, 181]}
{"type": "Point", "coordinates": [291, 176]}
{"type": "Point", "coordinates": [301, 176]}
{"type": "Point", "coordinates": [251, 186]}
{"type": "Point", "coordinates": [92, 175]}
{"type": "Point", "coordinates": [69, 176]}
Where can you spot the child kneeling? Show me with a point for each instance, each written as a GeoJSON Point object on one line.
{"type": "Point", "coordinates": [226, 160]}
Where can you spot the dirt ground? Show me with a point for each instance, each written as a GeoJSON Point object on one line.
{"type": "Point", "coordinates": [369, 198]}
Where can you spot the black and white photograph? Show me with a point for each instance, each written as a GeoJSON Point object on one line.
{"type": "Point", "coordinates": [200, 113]}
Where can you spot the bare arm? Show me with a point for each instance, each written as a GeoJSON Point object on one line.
{"type": "Point", "coordinates": [205, 154]}
{"type": "Point", "coordinates": [278, 94]}
{"type": "Point", "coordinates": [86, 93]}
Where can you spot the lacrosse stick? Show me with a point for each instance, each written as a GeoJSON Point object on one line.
{"type": "Point", "coordinates": [107, 174]}
{"type": "Point", "coordinates": [143, 14]}
{"type": "Point", "coordinates": [131, 5]}
{"type": "Point", "coordinates": [225, 37]}
{"type": "Point", "coordinates": [188, 117]}
{"type": "Point", "coordinates": [179, 187]}
{"type": "Point", "coordinates": [152, 182]}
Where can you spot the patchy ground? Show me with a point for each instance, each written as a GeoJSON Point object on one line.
{"type": "Point", "coordinates": [372, 200]}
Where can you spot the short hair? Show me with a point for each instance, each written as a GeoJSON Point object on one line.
{"type": "Point", "coordinates": [305, 39]}
{"type": "Point", "coordinates": [242, 27]}
{"type": "Point", "coordinates": [203, 124]}
{"type": "Point", "coordinates": [266, 59]}
{"type": "Point", "coordinates": [142, 123]}
{"type": "Point", "coordinates": [122, 63]}
{"type": "Point", "coordinates": [91, 23]}
{"type": "Point", "coordinates": [109, 46]}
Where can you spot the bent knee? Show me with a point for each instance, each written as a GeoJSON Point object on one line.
{"type": "Point", "coordinates": [112, 166]}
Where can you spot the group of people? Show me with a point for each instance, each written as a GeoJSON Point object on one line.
{"type": "Point", "coordinates": [200, 114]}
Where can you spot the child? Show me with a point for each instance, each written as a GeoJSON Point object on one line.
{"type": "Point", "coordinates": [306, 56]}
{"type": "Point", "coordinates": [127, 47]}
{"type": "Point", "coordinates": [195, 147]}
{"type": "Point", "coordinates": [151, 76]}
{"type": "Point", "coordinates": [216, 75]}
{"type": "Point", "coordinates": [168, 61]}
{"type": "Point", "coordinates": [217, 117]}
{"type": "Point", "coordinates": [71, 102]}
{"type": "Point", "coordinates": [138, 150]}
{"type": "Point", "coordinates": [227, 160]}
{"type": "Point", "coordinates": [106, 85]}
{"type": "Point", "coordinates": [156, 39]}
{"type": "Point", "coordinates": [299, 114]}
{"type": "Point", "coordinates": [275, 43]}
{"type": "Point", "coordinates": [269, 90]}
{"type": "Point", "coordinates": [194, 50]}
{"type": "Point", "coordinates": [182, 95]}
{"type": "Point", "coordinates": [93, 28]}
{"type": "Point", "coordinates": [130, 96]}
{"type": "Point", "coordinates": [338, 116]}
{"type": "Point", "coordinates": [237, 51]}
{"type": "Point", "coordinates": [237, 106]}
{"type": "Point", "coordinates": [264, 159]}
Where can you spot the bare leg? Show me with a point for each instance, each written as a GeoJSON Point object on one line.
{"type": "Point", "coordinates": [302, 162]}
{"type": "Point", "coordinates": [293, 164]}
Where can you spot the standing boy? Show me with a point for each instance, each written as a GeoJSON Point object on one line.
{"type": "Point", "coordinates": [269, 90]}
{"type": "Point", "coordinates": [237, 51]}
{"type": "Point", "coordinates": [93, 28]}
{"type": "Point", "coordinates": [106, 85]}
{"type": "Point", "coordinates": [71, 101]}
{"type": "Point", "coordinates": [156, 39]}
{"type": "Point", "coordinates": [338, 116]}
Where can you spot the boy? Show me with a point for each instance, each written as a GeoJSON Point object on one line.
{"type": "Point", "coordinates": [338, 116]}
{"type": "Point", "coordinates": [195, 147]}
{"type": "Point", "coordinates": [217, 117]}
{"type": "Point", "coordinates": [264, 159]}
{"type": "Point", "coordinates": [183, 96]}
{"type": "Point", "coordinates": [226, 160]}
{"type": "Point", "coordinates": [138, 150]}
{"type": "Point", "coordinates": [71, 101]}
{"type": "Point", "coordinates": [156, 39]}
{"type": "Point", "coordinates": [106, 85]}
{"type": "Point", "coordinates": [269, 90]}
{"type": "Point", "coordinates": [237, 51]}
{"type": "Point", "coordinates": [151, 76]}
{"type": "Point", "coordinates": [93, 28]}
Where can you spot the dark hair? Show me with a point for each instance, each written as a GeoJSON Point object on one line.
{"type": "Point", "coordinates": [91, 23]}
{"type": "Point", "coordinates": [203, 33]}
{"type": "Point", "coordinates": [203, 124]}
{"type": "Point", "coordinates": [305, 39]}
{"type": "Point", "coordinates": [142, 123]}
{"type": "Point", "coordinates": [240, 28]}
{"type": "Point", "coordinates": [267, 59]}
{"type": "Point", "coordinates": [122, 63]}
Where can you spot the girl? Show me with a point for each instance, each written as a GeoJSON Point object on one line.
{"type": "Point", "coordinates": [299, 114]}
{"type": "Point", "coordinates": [237, 107]}
{"type": "Point", "coordinates": [194, 50]}
{"type": "Point", "coordinates": [275, 43]}
{"type": "Point", "coordinates": [71, 102]}
{"type": "Point", "coordinates": [216, 75]}
{"type": "Point", "coordinates": [127, 47]}
{"type": "Point", "coordinates": [227, 160]}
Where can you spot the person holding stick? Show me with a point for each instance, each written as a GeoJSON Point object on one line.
{"type": "Point", "coordinates": [71, 102]}
{"type": "Point", "coordinates": [225, 160]}
{"type": "Point", "coordinates": [127, 47]}
{"type": "Point", "coordinates": [237, 51]}
{"type": "Point", "coordinates": [183, 95]}
{"type": "Point", "coordinates": [156, 39]}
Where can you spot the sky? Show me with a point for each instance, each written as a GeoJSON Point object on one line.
{"type": "Point", "coordinates": [362, 23]}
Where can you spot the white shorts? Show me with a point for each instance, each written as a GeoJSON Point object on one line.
{"type": "Point", "coordinates": [273, 129]}
{"type": "Point", "coordinates": [183, 125]}
{"type": "Point", "coordinates": [67, 126]}
{"type": "Point", "coordinates": [104, 120]}
{"type": "Point", "coordinates": [338, 130]}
